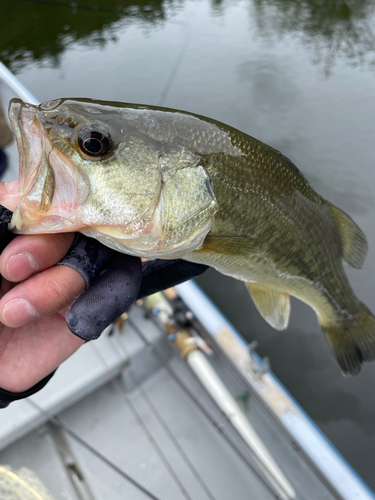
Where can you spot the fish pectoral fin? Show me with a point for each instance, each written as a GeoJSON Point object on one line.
{"type": "Point", "coordinates": [354, 242]}
{"type": "Point", "coordinates": [228, 245]}
{"type": "Point", "coordinates": [274, 306]}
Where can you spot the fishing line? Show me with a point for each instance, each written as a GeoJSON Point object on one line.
{"type": "Point", "coordinates": [155, 444]}
{"type": "Point", "coordinates": [122, 10]}
{"type": "Point", "coordinates": [219, 427]}
{"type": "Point", "coordinates": [166, 429]}
{"type": "Point", "coordinates": [177, 63]}
{"type": "Point", "coordinates": [58, 423]}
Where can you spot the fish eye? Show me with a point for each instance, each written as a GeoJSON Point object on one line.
{"type": "Point", "coordinates": [94, 142]}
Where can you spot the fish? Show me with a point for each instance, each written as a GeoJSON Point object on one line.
{"type": "Point", "coordinates": [162, 183]}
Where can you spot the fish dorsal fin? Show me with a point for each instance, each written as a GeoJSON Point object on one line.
{"type": "Point", "coordinates": [274, 306]}
{"type": "Point", "coordinates": [354, 242]}
{"type": "Point", "coordinates": [228, 245]}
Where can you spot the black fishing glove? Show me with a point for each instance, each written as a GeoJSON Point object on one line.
{"type": "Point", "coordinates": [5, 236]}
{"type": "Point", "coordinates": [6, 397]}
{"type": "Point", "coordinates": [114, 282]}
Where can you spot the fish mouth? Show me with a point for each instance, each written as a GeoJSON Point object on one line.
{"type": "Point", "coordinates": [36, 177]}
{"type": "Point", "coordinates": [50, 187]}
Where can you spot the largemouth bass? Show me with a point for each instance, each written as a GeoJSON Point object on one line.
{"type": "Point", "coordinates": [160, 183]}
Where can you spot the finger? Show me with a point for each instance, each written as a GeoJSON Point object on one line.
{"type": "Point", "coordinates": [9, 194]}
{"type": "Point", "coordinates": [41, 295]}
{"type": "Point", "coordinates": [35, 352]}
{"type": "Point", "coordinates": [87, 256]}
{"type": "Point", "coordinates": [27, 254]}
{"type": "Point", "coordinates": [111, 294]}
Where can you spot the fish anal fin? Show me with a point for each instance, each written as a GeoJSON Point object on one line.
{"type": "Point", "coordinates": [354, 242]}
{"type": "Point", "coordinates": [228, 245]}
{"type": "Point", "coordinates": [274, 306]}
{"type": "Point", "coordinates": [352, 341]}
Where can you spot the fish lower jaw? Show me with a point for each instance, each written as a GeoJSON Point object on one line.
{"type": "Point", "coordinates": [24, 223]}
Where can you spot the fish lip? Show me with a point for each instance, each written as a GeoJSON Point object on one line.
{"type": "Point", "coordinates": [14, 113]}
{"type": "Point", "coordinates": [18, 112]}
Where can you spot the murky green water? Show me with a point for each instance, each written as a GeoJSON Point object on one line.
{"type": "Point", "coordinates": [298, 75]}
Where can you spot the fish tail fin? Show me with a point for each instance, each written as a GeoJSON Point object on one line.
{"type": "Point", "coordinates": [354, 242]}
{"type": "Point", "coordinates": [352, 341]}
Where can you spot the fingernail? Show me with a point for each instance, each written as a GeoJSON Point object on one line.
{"type": "Point", "coordinates": [12, 187]}
{"type": "Point", "coordinates": [20, 266]}
{"type": "Point", "coordinates": [18, 312]}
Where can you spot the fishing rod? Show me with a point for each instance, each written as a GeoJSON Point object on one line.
{"type": "Point", "coordinates": [189, 344]}
{"type": "Point", "coordinates": [13, 82]}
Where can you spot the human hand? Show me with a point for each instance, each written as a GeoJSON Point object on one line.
{"type": "Point", "coordinates": [35, 295]}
